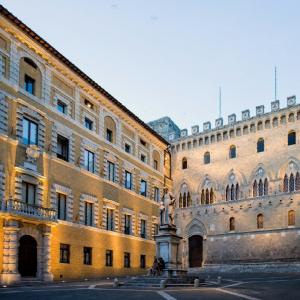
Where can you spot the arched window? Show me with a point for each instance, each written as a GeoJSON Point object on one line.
{"type": "Point", "coordinates": [184, 163]}
{"type": "Point", "coordinates": [212, 196]}
{"type": "Point", "coordinates": [255, 188]}
{"type": "Point", "coordinates": [232, 151]}
{"type": "Point", "coordinates": [231, 224]}
{"type": "Point", "coordinates": [237, 192]}
{"type": "Point", "coordinates": [206, 158]}
{"type": "Point", "coordinates": [260, 188]}
{"type": "Point", "coordinates": [292, 138]}
{"type": "Point", "coordinates": [260, 145]}
{"type": "Point", "coordinates": [275, 122]}
{"type": "Point", "coordinates": [292, 183]}
{"type": "Point", "coordinates": [297, 181]}
{"type": "Point", "coordinates": [227, 193]}
{"type": "Point", "coordinates": [202, 197]}
{"type": "Point", "coordinates": [180, 200]}
{"type": "Point", "coordinates": [207, 196]}
{"type": "Point", "coordinates": [184, 200]}
{"type": "Point", "coordinates": [285, 184]}
{"type": "Point", "coordinates": [291, 218]}
{"type": "Point", "coordinates": [259, 125]}
{"type": "Point", "coordinates": [260, 221]}
{"type": "Point", "coordinates": [266, 187]}
{"type": "Point", "coordinates": [291, 117]}
{"type": "Point", "coordinates": [232, 192]}
{"type": "Point", "coordinates": [189, 200]}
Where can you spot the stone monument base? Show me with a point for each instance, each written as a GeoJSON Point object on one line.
{"type": "Point", "coordinates": [167, 247]}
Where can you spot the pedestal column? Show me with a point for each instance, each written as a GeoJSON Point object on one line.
{"type": "Point", "coordinates": [10, 272]}
{"type": "Point", "coordinates": [46, 270]}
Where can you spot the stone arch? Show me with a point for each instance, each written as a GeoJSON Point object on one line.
{"type": "Point", "coordinates": [291, 165]}
{"type": "Point", "coordinates": [110, 129]}
{"type": "Point", "coordinates": [195, 227]}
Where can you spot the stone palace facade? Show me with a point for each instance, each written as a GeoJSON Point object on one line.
{"type": "Point", "coordinates": [238, 190]}
{"type": "Point", "coordinates": [81, 176]}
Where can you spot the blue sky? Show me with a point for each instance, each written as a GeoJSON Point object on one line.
{"type": "Point", "coordinates": [170, 57]}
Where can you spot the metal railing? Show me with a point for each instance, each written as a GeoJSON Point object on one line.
{"type": "Point", "coordinates": [18, 207]}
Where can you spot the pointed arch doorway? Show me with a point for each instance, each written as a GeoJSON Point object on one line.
{"type": "Point", "coordinates": [195, 251]}
{"type": "Point", "coordinates": [27, 256]}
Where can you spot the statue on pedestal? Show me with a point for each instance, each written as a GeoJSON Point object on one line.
{"type": "Point", "coordinates": [167, 207]}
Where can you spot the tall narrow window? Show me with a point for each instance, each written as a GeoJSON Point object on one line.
{"type": "Point", "coordinates": [109, 135]}
{"type": "Point", "coordinates": [260, 221]}
{"type": "Point", "coordinates": [61, 107]}
{"type": "Point", "coordinates": [227, 193]}
{"type": "Point", "coordinates": [184, 200]}
{"type": "Point", "coordinates": [180, 200]}
{"type": "Point", "coordinates": [155, 164]}
{"type": "Point", "coordinates": [237, 192]}
{"type": "Point", "coordinates": [30, 132]}
{"type": "Point", "coordinates": [29, 84]}
{"type": "Point", "coordinates": [156, 194]}
{"type": "Point", "coordinates": [62, 148]}
{"type": "Point", "coordinates": [232, 193]}
{"type": "Point", "coordinates": [202, 197]}
{"type": "Point", "coordinates": [297, 181]}
{"type": "Point", "coordinates": [266, 187]}
{"type": "Point", "coordinates": [143, 229]}
{"type": "Point", "coordinates": [89, 161]}
{"type": "Point", "coordinates": [88, 123]}
{"type": "Point", "coordinates": [126, 260]}
{"type": "Point", "coordinates": [189, 200]}
{"type": "Point", "coordinates": [111, 171]}
{"type": "Point", "coordinates": [260, 188]}
{"type": "Point", "coordinates": [292, 183]}
{"type": "Point", "coordinates": [206, 158]}
{"type": "Point", "coordinates": [232, 151]}
{"type": "Point", "coordinates": [88, 220]}
{"type": "Point", "coordinates": [285, 184]}
{"type": "Point", "coordinates": [108, 258]}
{"type": "Point", "coordinates": [128, 180]}
{"type": "Point", "coordinates": [127, 224]}
{"type": "Point", "coordinates": [255, 189]}
{"type": "Point", "coordinates": [87, 255]}
{"type": "Point", "coordinates": [291, 218]}
{"type": "Point", "coordinates": [231, 224]}
{"type": "Point", "coordinates": [184, 163]}
{"type": "Point", "coordinates": [260, 145]}
{"type": "Point", "coordinates": [110, 219]}
{"type": "Point", "coordinates": [28, 192]}
{"type": "Point", "coordinates": [143, 188]}
{"type": "Point", "coordinates": [127, 148]}
{"type": "Point", "coordinates": [207, 196]}
{"type": "Point", "coordinates": [61, 206]}
{"type": "Point", "coordinates": [143, 261]}
{"type": "Point", "coordinates": [64, 254]}
{"type": "Point", "coordinates": [292, 138]}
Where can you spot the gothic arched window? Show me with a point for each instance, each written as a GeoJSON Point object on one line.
{"type": "Point", "coordinates": [292, 138]}
{"type": "Point", "coordinates": [232, 192]}
{"type": "Point", "coordinates": [297, 184]}
{"type": "Point", "coordinates": [184, 163]}
{"type": "Point", "coordinates": [189, 200]}
{"type": "Point", "coordinates": [260, 188]}
{"type": "Point", "coordinates": [212, 196]}
{"type": "Point", "coordinates": [291, 218]}
{"type": "Point", "coordinates": [285, 184]}
{"type": "Point", "coordinates": [260, 145]}
{"type": "Point", "coordinates": [260, 221]}
{"type": "Point", "coordinates": [237, 192]}
{"type": "Point", "coordinates": [255, 189]}
{"type": "Point", "coordinates": [266, 187]}
{"type": "Point", "coordinates": [231, 224]}
{"type": "Point", "coordinates": [227, 193]}
{"type": "Point", "coordinates": [207, 196]}
{"type": "Point", "coordinates": [206, 158]}
{"type": "Point", "coordinates": [202, 197]}
{"type": "Point", "coordinates": [184, 200]}
{"type": "Point", "coordinates": [292, 183]}
{"type": "Point", "coordinates": [180, 200]}
{"type": "Point", "coordinates": [232, 151]}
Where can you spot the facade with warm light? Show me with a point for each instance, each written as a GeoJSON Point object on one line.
{"type": "Point", "coordinates": [238, 191]}
{"type": "Point", "coordinates": [80, 175]}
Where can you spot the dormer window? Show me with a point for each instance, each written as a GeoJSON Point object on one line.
{"type": "Point", "coordinates": [88, 104]}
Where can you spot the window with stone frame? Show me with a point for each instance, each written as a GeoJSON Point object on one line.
{"type": "Point", "coordinates": [28, 193]}
{"type": "Point", "coordinates": [89, 161]}
{"type": "Point", "coordinates": [143, 261]}
{"type": "Point", "coordinates": [232, 151]}
{"type": "Point", "coordinates": [61, 206]}
{"type": "Point", "coordinates": [260, 146]}
{"type": "Point", "coordinates": [64, 253]}
{"type": "Point", "coordinates": [111, 171]}
{"type": "Point", "coordinates": [126, 260]}
{"type": "Point", "coordinates": [110, 222]}
{"type": "Point", "coordinates": [128, 180]}
{"type": "Point", "coordinates": [109, 258]}
{"type": "Point", "coordinates": [156, 194]}
{"type": "Point", "coordinates": [143, 190]}
{"type": "Point", "coordinates": [184, 163]}
{"type": "Point", "coordinates": [88, 214]}
{"type": "Point", "coordinates": [30, 132]}
{"type": "Point", "coordinates": [62, 149]}
{"type": "Point", "coordinates": [291, 138]}
{"type": "Point", "coordinates": [232, 224]}
{"type": "Point", "coordinates": [87, 255]}
{"type": "Point", "coordinates": [143, 228]}
{"type": "Point", "coordinates": [206, 158]}
{"type": "Point", "coordinates": [127, 224]}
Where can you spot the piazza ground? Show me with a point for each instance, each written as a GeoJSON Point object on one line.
{"type": "Point", "coordinates": [233, 286]}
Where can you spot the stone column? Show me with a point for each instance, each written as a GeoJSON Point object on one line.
{"type": "Point", "coordinates": [46, 269]}
{"type": "Point", "coordinates": [10, 272]}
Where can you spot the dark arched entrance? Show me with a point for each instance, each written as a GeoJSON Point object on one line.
{"type": "Point", "coordinates": [27, 261]}
{"type": "Point", "coordinates": [195, 251]}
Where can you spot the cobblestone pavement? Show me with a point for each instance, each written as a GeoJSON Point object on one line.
{"type": "Point", "coordinates": [251, 287]}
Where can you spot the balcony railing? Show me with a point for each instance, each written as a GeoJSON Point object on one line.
{"type": "Point", "coordinates": [28, 210]}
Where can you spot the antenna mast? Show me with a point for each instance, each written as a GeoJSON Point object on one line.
{"type": "Point", "coordinates": [275, 87]}
{"type": "Point", "coordinates": [220, 102]}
